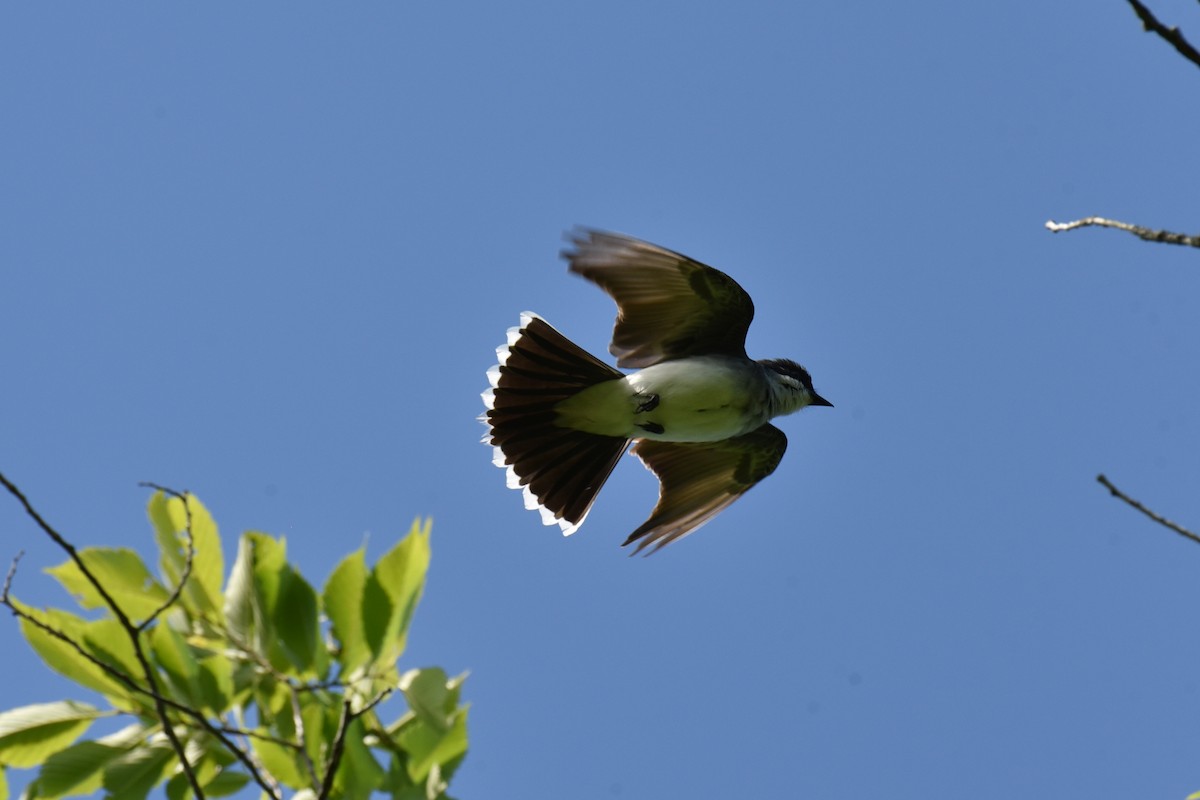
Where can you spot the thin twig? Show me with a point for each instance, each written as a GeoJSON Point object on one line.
{"type": "Point", "coordinates": [12, 571]}
{"type": "Point", "coordinates": [1149, 234]}
{"type": "Point", "coordinates": [190, 557]}
{"type": "Point", "coordinates": [1151, 24]}
{"type": "Point", "coordinates": [235, 731]}
{"type": "Point", "coordinates": [339, 746]}
{"type": "Point", "coordinates": [1161, 520]}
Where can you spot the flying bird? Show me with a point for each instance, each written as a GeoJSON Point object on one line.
{"type": "Point", "coordinates": [697, 408]}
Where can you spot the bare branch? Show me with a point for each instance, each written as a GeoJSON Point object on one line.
{"type": "Point", "coordinates": [190, 557]}
{"type": "Point", "coordinates": [1161, 520]}
{"type": "Point", "coordinates": [263, 737]}
{"type": "Point", "coordinates": [1149, 234]}
{"type": "Point", "coordinates": [8, 579]}
{"type": "Point", "coordinates": [1174, 36]}
{"type": "Point", "coordinates": [339, 747]}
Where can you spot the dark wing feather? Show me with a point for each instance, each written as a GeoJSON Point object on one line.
{"type": "Point", "coordinates": [700, 479]}
{"type": "Point", "coordinates": [668, 306]}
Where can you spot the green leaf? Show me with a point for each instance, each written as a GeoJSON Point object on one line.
{"type": "Point", "coordinates": [252, 590]}
{"type": "Point", "coordinates": [178, 786]}
{"type": "Point", "coordinates": [65, 659]}
{"type": "Point", "coordinates": [401, 574]}
{"type": "Point", "coordinates": [76, 770]}
{"type": "Point", "coordinates": [168, 515]}
{"type": "Point", "coordinates": [215, 682]}
{"type": "Point", "coordinates": [30, 734]}
{"type": "Point", "coordinates": [3, 784]}
{"type": "Point", "coordinates": [108, 641]}
{"type": "Point", "coordinates": [271, 609]}
{"type": "Point", "coordinates": [343, 599]}
{"type": "Point", "coordinates": [282, 762]}
{"type": "Point", "coordinates": [294, 615]}
{"type": "Point", "coordinates": [426, 691]}
{"type": "Point", "coordinates": [376, 615]}
{"type": "Point", "coordinates": [122, 574]}
{"type": "Point", "coordinates": [397, 782]}
{"type": "Point", "coordinates": [177, 661]}
{"type": "Point", "coordinates": [320, 726]}
{"type": "Point", "coordinates": [135, 773]}
{"type": "Point", "coordinates": [428, 748]}
{"type": "Point", "coordinates": [226, 782]}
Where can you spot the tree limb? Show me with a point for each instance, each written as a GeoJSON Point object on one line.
{"type": "Point", "coordinates": [1161, 520]}
{"type": "Point", "coordinates": [1174, 36]}
{"type": "Point", "coordinates": [1149, 234]}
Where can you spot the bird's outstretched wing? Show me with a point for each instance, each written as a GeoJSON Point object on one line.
{"type": "Point", "coordinates": [699, 479]}
{"type": "Point", "coordinates": [668, 305]}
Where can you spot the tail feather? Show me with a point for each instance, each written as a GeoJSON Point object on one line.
{"type": "Point", "coordinates": [560, 470]}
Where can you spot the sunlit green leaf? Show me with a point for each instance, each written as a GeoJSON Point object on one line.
{"type": "Point", "coordinates": [270, 557]}
{"type": "Point", "coordinates": [30, 734]}
{"type": "Point", "coordinates": [215, 682]}
{"type": "Point", "coordinates": [320, 726]}
{"type": "Point", "coordinates": [177, 660]}
{"type": "Point", "coordinates": [62, 657]}
{"type": "Point", "coordinates": [343, 600]}
{"type": "Point", "coordinates": [427, 747]}
{"type": "Point", "coordinates": [282, 762]}
{"type": "Point", "coordinates": [245, 607]}
{"type": "Point", "coordinates": [3, 783]}
{"type": "Point", "coordinates": [426, 692]}
{"type": "Point", "coordinates": [226, 782]}
{"type": "Point", "coordinates": [294, 615]}
{"type": "Point", "coordinates": [401, 574]}
{"type": "Point", "coordinates": [76, 770]}
{"type": "Point", "coordinates": [136, 772]}
{"type": "Point", "coordinates": [108, 641]}
{"type": "Point", "coordinates": [376, 615]}
{"type": "Point", "coordinates": [202, 594]}
{"type": "Point", "coordinates": [122, 574]}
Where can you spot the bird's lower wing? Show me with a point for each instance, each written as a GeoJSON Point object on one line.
{"type": "Point", "coordinates": [699, 479]}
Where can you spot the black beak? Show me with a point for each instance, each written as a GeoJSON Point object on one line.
{"type": "Point", "coordinates": [819, 401]}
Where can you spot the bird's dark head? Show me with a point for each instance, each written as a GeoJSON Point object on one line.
{"type": "Point", "coordinates": [796, 380]}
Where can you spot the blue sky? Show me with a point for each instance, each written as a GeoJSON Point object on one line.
{"type": "Point", "coordinates": [265, 254]}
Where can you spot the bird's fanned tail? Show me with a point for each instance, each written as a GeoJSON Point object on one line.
{"type": "Point", "coordinates": [559, 470]}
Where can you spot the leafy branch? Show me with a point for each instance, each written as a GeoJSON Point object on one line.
{"type": "Point", "coordinates": [312, 670]}
{"type": "Point", "coordinates": [131, 630]}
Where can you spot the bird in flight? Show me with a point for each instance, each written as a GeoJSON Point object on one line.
{"type": "Point", "coordinates": [697, 409]}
